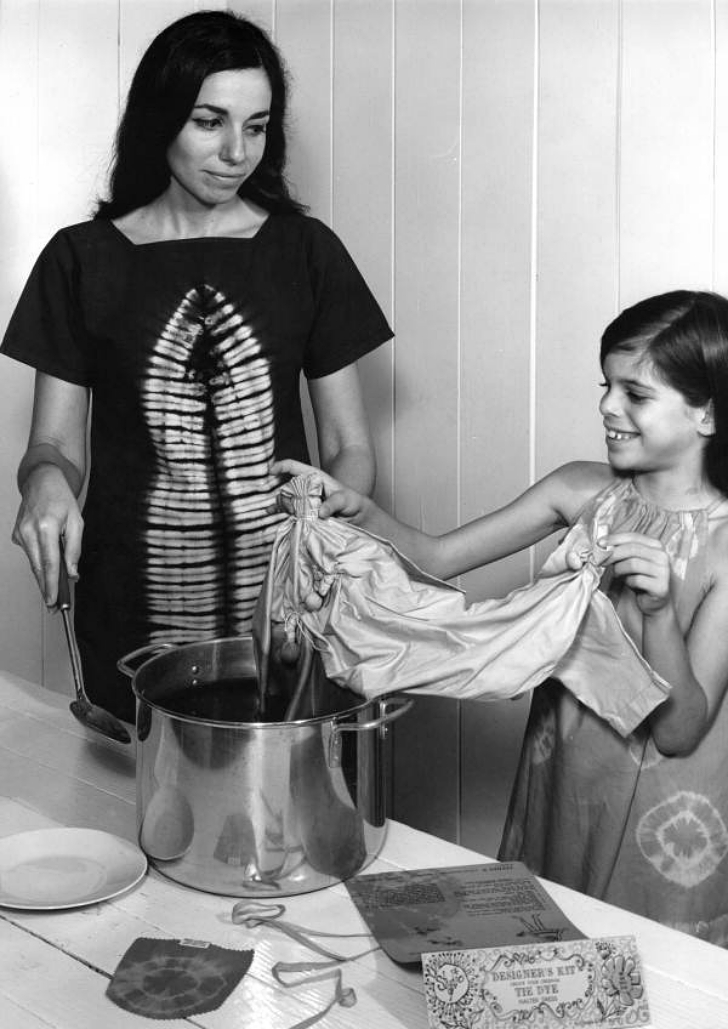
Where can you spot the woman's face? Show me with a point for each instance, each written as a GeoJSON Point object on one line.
{"type": "Point", "coordinates": [223, 140]}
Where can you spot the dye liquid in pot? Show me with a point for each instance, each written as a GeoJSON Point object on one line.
{"type": "Point", "coordinates": [235, 699]}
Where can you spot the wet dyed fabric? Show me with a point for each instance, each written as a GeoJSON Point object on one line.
{"type": "Point", "coordinates": [193, 350]}
{"type": "Point", "coordinates": [382, 625]}
{"type": "Point", "coordinates": [611, 816]}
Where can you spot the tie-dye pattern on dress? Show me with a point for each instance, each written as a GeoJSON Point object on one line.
{"type": "Point", "coordinates": [193, 350]}
{"type": "Point", "coordinates": [613, 817]}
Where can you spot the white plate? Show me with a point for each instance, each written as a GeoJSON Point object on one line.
{"type": "Point", "coordinates": [50, 869]}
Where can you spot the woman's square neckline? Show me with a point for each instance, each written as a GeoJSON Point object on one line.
{"type": "Point", "coordinates": [188, 239]}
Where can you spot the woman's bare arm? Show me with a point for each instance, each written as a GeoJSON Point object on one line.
{"type": "Point", "coordinates": [50, 478]}
{"type": "Point", "coordinates": [345, 445]}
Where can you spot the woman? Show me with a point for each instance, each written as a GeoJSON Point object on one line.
{"type": "Point", "coordinates": [188, 308]}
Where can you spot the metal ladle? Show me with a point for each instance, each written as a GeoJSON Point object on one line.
{"type": "Point", "coordinates": [88, 714]}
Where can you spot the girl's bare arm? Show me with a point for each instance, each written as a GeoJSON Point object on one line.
{"type": "Point", "coordinates": [695, 666]}
{"type": "Point", "coordinates": [550, 504]}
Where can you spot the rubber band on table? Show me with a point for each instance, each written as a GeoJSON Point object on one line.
{"type": "Point", "coordinates": [253, 914]}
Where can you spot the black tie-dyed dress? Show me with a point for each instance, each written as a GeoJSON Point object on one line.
{"type": "Point", "coordinates": [193, 351]}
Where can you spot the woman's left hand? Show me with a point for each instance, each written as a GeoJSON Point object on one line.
{"type": "Point", "coordinates": [339, 499]}
{"type": "Point", "coordinates": [289, 466]}
{"type": "Point", "coordinates": [645, 567]}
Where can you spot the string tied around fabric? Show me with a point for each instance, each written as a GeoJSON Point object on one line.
{"type": "Point", "coordinates": [296, 630]}
{"type": "Point", "coordinates": [289, 974]}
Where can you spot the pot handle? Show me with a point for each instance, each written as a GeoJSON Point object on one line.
{"type": "Point", "coordinates": [390, 709]}
{"type": "Point", "coordinates": [151, 648]}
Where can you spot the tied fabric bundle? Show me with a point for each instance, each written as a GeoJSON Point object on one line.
{"type": "Point", "coordinates": [382, 625]}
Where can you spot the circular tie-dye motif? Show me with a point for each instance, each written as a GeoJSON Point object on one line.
{"type": "Point", "coordinates": [684, 838]}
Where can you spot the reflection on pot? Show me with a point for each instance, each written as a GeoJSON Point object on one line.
{"type": "Point", "coordinates": [168, 825]}
{"type": "Point", "coordinates": [330, 828]}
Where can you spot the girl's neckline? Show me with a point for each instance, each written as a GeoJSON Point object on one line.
{"type": "Point", "coordinates": [188, 239]}
{"type": "Point", "coordinates": [708, 510]}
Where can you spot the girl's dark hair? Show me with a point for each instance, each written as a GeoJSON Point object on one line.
{"type": "Point", "coordinates": [685, 335]}
{"type": "Point", "coordinates": [162, 94]}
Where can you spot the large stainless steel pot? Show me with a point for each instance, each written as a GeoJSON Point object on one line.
{"type": "Point", "coordinates": [230, 800]}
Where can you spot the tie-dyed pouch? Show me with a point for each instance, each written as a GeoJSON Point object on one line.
{"type": "Point", "coordinates": [176, 978]}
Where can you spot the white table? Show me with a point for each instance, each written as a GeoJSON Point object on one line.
{"type": "Point", "coordinates": [55, 967]}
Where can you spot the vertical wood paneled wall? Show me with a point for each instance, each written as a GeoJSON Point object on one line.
{"type": "Point", "coordinates": [508, 174]}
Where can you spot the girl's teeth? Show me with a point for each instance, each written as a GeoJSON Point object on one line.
{"type": "Point", "coordinates": [612, 434]}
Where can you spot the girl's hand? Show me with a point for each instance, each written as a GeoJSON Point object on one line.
{"type": "Point", "coordinates": [645, 567]}
{"type": "Point", "coordinates": [49, 511]}
{"type": "Point", "coordinates": [340, 500]}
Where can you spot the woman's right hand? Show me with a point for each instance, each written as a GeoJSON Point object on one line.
{"type": "Point", "coordinates": [340, 500]}
{"type": "Point", "coordinates": [48, 513]}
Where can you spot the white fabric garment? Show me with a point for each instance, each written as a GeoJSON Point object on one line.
{"type": "Point", "coordinates": [383, 625]}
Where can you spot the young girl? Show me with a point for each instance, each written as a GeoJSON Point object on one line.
{"type": "Point", "coordinates": [641, 822]}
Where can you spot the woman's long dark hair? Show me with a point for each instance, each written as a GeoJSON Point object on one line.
{"type": "Point", "coordinates": [685, 335]}
{"type": "Point", "coordinates": [162, 94]}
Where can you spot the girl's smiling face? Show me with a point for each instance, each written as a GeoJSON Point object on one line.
{"type": "Point", "coordinates": [223, 140]}
{"type": "Point", "coordinates": [649, 425]}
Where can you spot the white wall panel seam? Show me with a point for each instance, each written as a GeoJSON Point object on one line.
{"type": "Point", "coordinates": [36, 205]}
{"type": "Point", "coordinates": [714, 123]}
{"type": "Point", "coordinates": [459, 302]}
{"type": "Point", "coordinates": [393, 272]}
{"type": "Point", "coordinates": [458, 315]}
{"type": "Point", "coordinates": [619, 85]}
{"type": "Point", "coordinates": [36, 222]}
{"type": "Point", "coordinates": [392, 251]}
{"type": "Point", "coordinates": [332, 141]}
{"type": "Point", "coordinates": [118, 60]}
{"type": "Point", "coordinates": [533, 312]}
{"type": "Point", "coordinates": [458, 344]}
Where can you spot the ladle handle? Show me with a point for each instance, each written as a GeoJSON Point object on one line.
{"type": "Point", "coordinates": [63, 600]}
{"type": "Point", "coordinates": [63, 604]}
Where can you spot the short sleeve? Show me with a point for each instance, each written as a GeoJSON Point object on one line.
{"type": "Point", "coordinates": [348, 322]}
{"type": "Point", "coordinates": [46, 329]}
